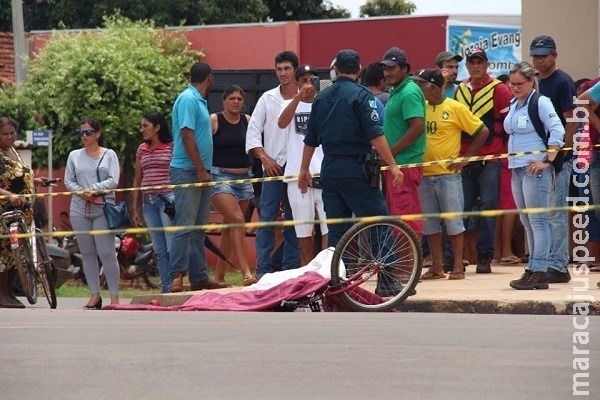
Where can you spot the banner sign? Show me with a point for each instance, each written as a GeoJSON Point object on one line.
{"type": "Point", "coordinates": [501, 43]}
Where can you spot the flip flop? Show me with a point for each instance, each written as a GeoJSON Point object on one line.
{"type": "Point", "coordinates": [511, 260]}
{"type": "Point", "coordinates": [431, 275]}
{"type": "Point", "coordinates": [249, 281]}
{"type": "Point", "coordinates": [454, 276]}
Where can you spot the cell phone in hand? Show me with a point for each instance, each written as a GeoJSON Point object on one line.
{"type": "Point", "coordinates": [316, 82]}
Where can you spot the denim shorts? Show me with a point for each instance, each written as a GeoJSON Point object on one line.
{"type": "Point", "coordinates": [241, 191]}
{"type": "Point", "coordinates": [442, 193]}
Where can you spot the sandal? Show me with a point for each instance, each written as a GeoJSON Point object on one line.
{"type": "Point", "coordinates": [429, 275]}
{"type": "Point", "coordinates": [511, 260]}
{"type": "Point", "coordinates": [250, 280]}
{"type": "Point", "coordinates": [454, 276]}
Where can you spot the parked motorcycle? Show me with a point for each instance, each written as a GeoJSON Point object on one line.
{"type": "Point", "coordinates": [136, 261]}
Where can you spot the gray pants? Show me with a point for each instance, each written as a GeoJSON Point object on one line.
{"type": "Point", "coordinates": [95, 246]}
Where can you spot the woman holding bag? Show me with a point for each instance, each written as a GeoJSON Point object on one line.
{"type": "Point", "coordinates": [89, 170]}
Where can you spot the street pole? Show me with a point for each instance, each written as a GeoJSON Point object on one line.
{"type": "Point", "coordinates": [21, 50]}
{"type": "Point", "coordinates": [50, 197]}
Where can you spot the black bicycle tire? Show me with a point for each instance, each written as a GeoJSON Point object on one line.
{"type": "Point", "coordinates": [146, 272]}
{"type": "Point", "coordinates": [394, 301]}
{"type": "Point", "coordinates": [44, 272]}
{"type": "Point", "coordinates": [25, 267]}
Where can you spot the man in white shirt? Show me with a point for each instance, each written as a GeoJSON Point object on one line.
{"type": "Point", "coordinates": [271, 150]}
{"type": "Point", "coordinates": [294, 121]}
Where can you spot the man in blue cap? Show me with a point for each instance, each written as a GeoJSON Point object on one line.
{"type": "Point", "coordinates": [345, 122]}
{"type": "Point", "coordinates": [560, 88]}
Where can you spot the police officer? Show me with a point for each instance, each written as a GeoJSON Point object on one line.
{"type": "Point", "coordinates": [344, 121]}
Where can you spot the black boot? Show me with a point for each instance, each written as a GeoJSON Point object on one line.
{"type": "Point", "coordinates": [530, 280]}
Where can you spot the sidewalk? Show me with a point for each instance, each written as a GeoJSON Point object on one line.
{"type": "Point", "coordinates": [478, 293]}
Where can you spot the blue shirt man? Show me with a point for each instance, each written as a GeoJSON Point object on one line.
{"type": "Point", "coordinates": [191, 164]}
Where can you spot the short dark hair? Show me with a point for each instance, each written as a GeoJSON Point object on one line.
{"type": "Point", "coordinates": [63, 213]}
{"type": "Point", "coordinates": [199, 72]}
{"type": "Point", "coordinates": [156, 118]}
{"type": "Point", "coordinates": [288, 56]}
{"type": "Point", "coordinates": [232, 89]}
{"type": "Point", "coordinates": [96, 126]}
{"type": "Point", "coordinates": [373, 74]}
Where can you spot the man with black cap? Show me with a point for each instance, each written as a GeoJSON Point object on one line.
{"type": "Point", "coordinates": [345, 122]}
{"type": "Point", "coordinates": [293, 120]}
{"type": "Point", "coordinates": [488, 99]}
{"type": "Point", "coordinates": [441, 189]}
{"type": "Point", "coordinates": [404, 128]}
{"type": "Point", "coordinates": [448, 64]}
{"type": "Point", "coordinates": [560, 88]}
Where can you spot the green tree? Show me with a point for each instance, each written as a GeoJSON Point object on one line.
{"type": "Point", "coordinates": [378, 8]}
{"type": "Point", "coordinates": [113, 75]}
{"type": "Point", "coordinates": [77, 14]}
{"type": "Point", "coordinates": [295, 10]}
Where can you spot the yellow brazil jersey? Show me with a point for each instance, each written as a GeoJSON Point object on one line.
{"type": "Point", "coordinates": [445, 123]}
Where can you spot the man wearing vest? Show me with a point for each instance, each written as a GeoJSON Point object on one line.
{"type": "Point", "coordinates": [488, 99]}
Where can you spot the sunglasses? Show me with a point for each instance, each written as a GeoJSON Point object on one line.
{"type": "Point", "coordinates": [86, 132]}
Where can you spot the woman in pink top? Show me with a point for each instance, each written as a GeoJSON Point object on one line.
{"type": "Point", "coordinates": [153, 158]}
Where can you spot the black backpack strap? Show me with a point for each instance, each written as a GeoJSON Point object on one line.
{"type": "Point", "coordinates": [534, 115]}
{"type": "Point", "coordinates": [536, 121]}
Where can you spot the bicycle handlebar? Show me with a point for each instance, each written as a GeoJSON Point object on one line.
{"type": "Point", "coordinates": [50, 182]}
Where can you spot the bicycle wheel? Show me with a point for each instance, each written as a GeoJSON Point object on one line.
{"type": "Point", "coordinates": [25, 267]}
{"type": "Point", "coordinates": [376, 265]}
{"type": "Point", "coordinates": [45, 271]}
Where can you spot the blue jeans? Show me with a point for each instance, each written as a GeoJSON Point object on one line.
{"type": "Point", "coordinates": [533, 191]}
{"type": "Point", "coordinates": [273, 193]}
{"type": "Point", "coordinates": [187, 246]}
{"type": "Point", "coordinates": [559, 220]}
{"type": "Point", "coordinates": [595, 180]}
{"type": "Point", "coordinates": [344, 196]}
{"type": "Point", "coordinates": [483, 181]}
{"type": "Point", "coordinates": [153, 208]}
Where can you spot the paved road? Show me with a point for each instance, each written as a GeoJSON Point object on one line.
{"type": "Point", "coordinates": [74, 354]}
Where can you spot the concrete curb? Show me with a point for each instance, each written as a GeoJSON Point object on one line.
{"type": "Point", "coordinates": [495, 307]}
{"type": "Point", "coordinates": [431, 305]}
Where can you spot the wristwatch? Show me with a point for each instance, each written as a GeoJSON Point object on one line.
{"type": "Point", "coordinates": [546, 161]}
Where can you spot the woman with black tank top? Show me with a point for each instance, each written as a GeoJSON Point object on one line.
{"type": "Point", "coordinates": [230, 163]}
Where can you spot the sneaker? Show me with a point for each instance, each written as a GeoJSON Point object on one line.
{"type": "Point", "coordinates": [427, 262]}
{"type": "Point", "coordinates": [484, 264]}
{"type": "Point", "coordinates": [555, 276]}
{"type": "Point", "coordinates": [530, 280]}
{"type": "Point", "coordinates": [387, 287]}
{"type": "Point", "coordinates": [447, 264]}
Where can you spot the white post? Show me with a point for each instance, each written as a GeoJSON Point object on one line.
{"type": "Point", "coordinates": [19, 39]}
{"type": "Point", "coordinates": [50, 197]}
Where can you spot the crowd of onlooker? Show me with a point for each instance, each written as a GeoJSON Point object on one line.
{"type": "Point", "coordinates": [297, 131]}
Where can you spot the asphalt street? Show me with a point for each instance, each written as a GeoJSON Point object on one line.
{"type": "Point", "coordinates": [74, 354]}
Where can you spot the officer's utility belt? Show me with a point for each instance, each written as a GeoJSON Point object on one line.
{"type": "Point", "coordinates": [371, 166]}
